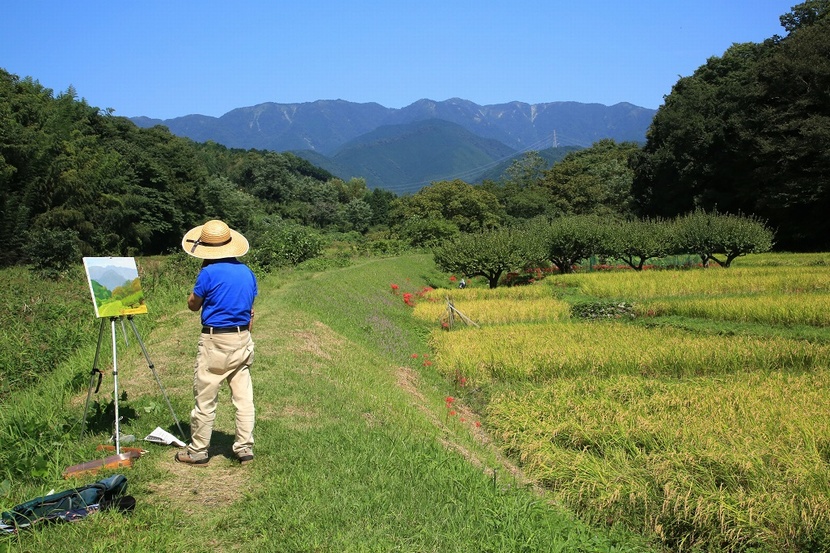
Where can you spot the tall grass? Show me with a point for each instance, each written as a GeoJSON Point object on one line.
{"type": "Point", "coordinates": [34, 313]}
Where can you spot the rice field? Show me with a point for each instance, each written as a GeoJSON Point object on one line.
{"type": "Point", "coordinates": [710, 440]}
{"type": "Point", "coordinates": [540, 307]}
{"type": "Point", "coordinates": [539, 353]}
{"type": "Point", "coordinates": [811, 309]}
{"type": "Point", "coordinates": [710, 282]}
{"type": "Point", "coordinates": [731, 463]}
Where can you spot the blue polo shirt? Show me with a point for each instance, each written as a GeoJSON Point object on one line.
{"type": "Point", "coordinates": [228, 288]}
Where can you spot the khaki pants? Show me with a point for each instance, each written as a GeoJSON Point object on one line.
{"type": "Point", "coordinates": [222, 357]}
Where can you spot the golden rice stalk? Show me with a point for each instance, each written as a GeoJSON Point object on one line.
{"type": "Point", "coordinates": [497, 311]}
{"type": "Point", "coordinates": [776, 309]}
{"type": "Point", "coordinates": [644, 285]}
{"type": "Point", "coordinates": [539, 353]}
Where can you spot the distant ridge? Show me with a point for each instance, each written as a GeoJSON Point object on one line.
{"type": "Point", "coordinates": [403, 149]}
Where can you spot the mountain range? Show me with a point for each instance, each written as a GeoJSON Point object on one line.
{"type": "Point", "coordinates": [404, 149]}
{"type": "Point", "coordinates": [111, 276]}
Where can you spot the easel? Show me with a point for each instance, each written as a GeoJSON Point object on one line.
{"type": "Point", "coordinates": [96, 371]}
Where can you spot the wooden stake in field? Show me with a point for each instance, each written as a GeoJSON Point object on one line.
{"type": "Point", "coordinates": [448, 318]}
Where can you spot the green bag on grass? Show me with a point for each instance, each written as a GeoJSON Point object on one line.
{"type": "Point", "coordinates": [69, 505]}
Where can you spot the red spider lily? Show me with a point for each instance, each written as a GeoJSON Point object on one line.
{"type": "Point", "coordinates": [427, 363]}
{"type": "Point", "coordinates": [478, 424]}
{"type": "Point", "coordinates": [424, 291]}
{"type": "Point", "coordinates": [449, 400]}
{"type": "Point", "coordinates": [394, 288]}
{"type": "Point", "coordinates": [414, 356]}
{"type": "Point", "coordinates": [452, 278]}
{"type": "Point", "coordinates": [452, 413]}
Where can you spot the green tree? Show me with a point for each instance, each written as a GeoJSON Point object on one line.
{"type": "Point", "coordinates": [525, 171]}
{"type": "Point", "coordinates": [281, 244]}
{"type": "Point", "coordinates": [52, 252]}
{"type": "Point", "coordinates": [596, 180]}
{"type": "Point", "coordinates": [380, 201]}
{"type": "Point", "coordinates": [426, 231]}
{"type": "Point", "coordinates": [568, 240]}
{"type": "Point", "coordinates": [709, 234]}
{"type": "Point", "coordinates": [357, 215]}
{"type": "Point", "coordinates": [522, 193]}
{"type": "Point", "coordinates": [636, 241]}
{"type": "Point", "coordinates": [322, 201]}
{"type": "Point", "coordinates": [805, 14]}
{"type": "Point", "coordinates": [272, 179]}
{"type": "Point", "coordinates": [739, 235]}
{"type": "Point", "coordinates": [469, 208]}
{"type": "Point", "coordinates": [749, 132]}
{"type": "Point", "coordinates": [226, 201]}
{"type": "Point", "coordinates": [488, 253]}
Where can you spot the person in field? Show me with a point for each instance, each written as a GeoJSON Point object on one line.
{"type": "Point", "coordinates": [225, 290]}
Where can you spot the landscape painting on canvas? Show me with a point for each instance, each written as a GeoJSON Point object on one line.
{"type": "Point", "coordinates": [115, 286]}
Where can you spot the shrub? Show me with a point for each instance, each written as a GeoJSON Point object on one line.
{"type": "Point", "coordinates": [52, 252]}
{"type": "Point", "coordinates": [602, 309]}
{"type": "Point", "coordinates": [284, 244]}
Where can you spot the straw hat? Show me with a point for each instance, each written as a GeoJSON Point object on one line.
{"type": "Point", "coordinates": [214, 240]}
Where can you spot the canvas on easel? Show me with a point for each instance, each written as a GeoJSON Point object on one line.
{"type": "Point", "coordinates": [116, 295]}
{"type": "Point", "coordinates": [115, 286]}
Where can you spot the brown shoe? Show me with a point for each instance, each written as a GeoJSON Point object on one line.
{"type": "Point", "coordinates": [245, 456]}
{"type": "Point", "coordinates": [184, 456]}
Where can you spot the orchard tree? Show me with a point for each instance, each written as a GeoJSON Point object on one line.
{"type": "Point", "coordinates": [568, 240]}
{"type": "Point", "coordinates": [489, 253]}
{"type": "Point", "coordinates": [709, 234]}
{"type": "Point", "coordinates": [739, 235]}
{"type": "Point", "coordinates": [638, 240]}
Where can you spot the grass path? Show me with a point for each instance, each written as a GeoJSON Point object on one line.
{"type": "Point", "coordinates": [355, 449]}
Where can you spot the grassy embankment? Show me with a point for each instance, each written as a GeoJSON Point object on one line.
{"type": "Point", "coordinates": [357, 449]}
{"type": "Point", "coordinates": [704, 420]}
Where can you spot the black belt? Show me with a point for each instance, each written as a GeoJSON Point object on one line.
{"type": "Point", "coordinates": [223, 329]}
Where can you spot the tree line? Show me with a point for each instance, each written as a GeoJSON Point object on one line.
{"type": "Point", "coordinates": [747, 133]}
{"type": "Point", "coordinates": [565, 242]}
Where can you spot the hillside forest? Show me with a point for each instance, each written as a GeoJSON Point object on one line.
{"type": "Point", "coordinates": [747, 133]}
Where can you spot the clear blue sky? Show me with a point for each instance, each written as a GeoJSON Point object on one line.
{"type": "Point", "coordinates": [170, 58]}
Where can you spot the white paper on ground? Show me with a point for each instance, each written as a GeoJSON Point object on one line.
{"type": "Point", "coordinates": [161, 436]}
